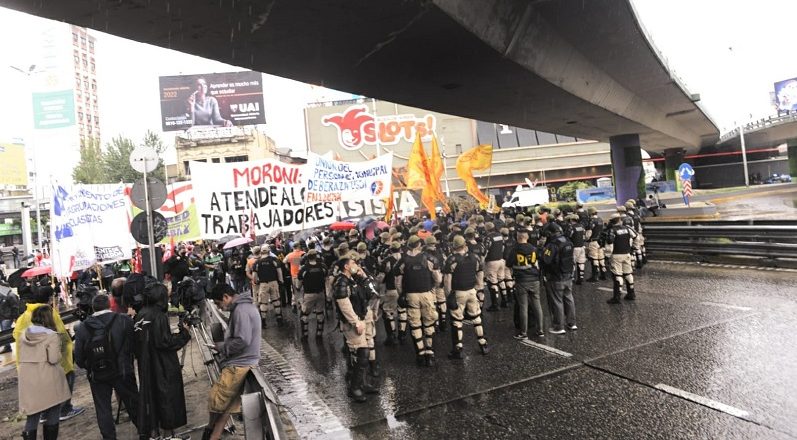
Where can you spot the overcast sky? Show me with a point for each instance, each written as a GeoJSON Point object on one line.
{"type": "Point", "coordinates": [693, 35]}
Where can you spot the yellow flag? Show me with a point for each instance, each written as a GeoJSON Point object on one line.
{"type": "Point", "coordinates": [389, 205]}
{"type": "Point", "coordinates": [477, 158]}
{"type": "Point", "coordinates": [428, 198]}
{"type": "Point", "coordinates": [417, 170]}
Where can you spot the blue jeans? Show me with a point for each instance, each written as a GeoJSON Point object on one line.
{"type": "Point", "coordinates": [51, 417]}
{"type": "Point", "coordinates": [5, 325]}
{"type": "Point", "coordinates": [66, 407]}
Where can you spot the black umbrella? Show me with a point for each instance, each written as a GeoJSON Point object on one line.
{"type": "Point", "coordinates": [225, 239]}
{"type": "Point", "coordinates": [365, 222]}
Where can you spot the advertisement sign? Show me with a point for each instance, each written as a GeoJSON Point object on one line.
{"type": "Point", "coordinates": [357, 127]}
{"type": "Point", "coordinates": [13, 169]}
{"type": "Point", "coordinates": [786, 94]}
{"type": "Point", "coordinates": [594, 194]}
{"type": "Point", "coordinates": [53, 109]}
{"type": "Point", "coordinates": [263, 195]}
{"type": "Point", "coordinates": [214, 99]}
{"type": "Point", "coordinates": [330, 180]}
{"type": "Point", "coordinates": [89, 224]}
{"type": "Point", "coordinates": [405, 202]}
{"type": "Point", "coordinates": [179, 210]}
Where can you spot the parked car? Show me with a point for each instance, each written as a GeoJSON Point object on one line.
{"type": "Point", "coordinates": [778, 178]}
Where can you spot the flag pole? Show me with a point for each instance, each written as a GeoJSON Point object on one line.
{"type": "Point", "coordinates": [445, 164]}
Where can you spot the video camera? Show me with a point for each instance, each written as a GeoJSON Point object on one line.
{"type": "Point", "coordinates": [85, 295]}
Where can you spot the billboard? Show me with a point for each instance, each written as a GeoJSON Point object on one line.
{"type": "Point", "coordinates": [213, 99]}
{"type": "Point", "coordinates": [53, 109]}
{"type": "Point", "coordinates": [12, 165]}
{"type": "Point", "coordinates": [786, 95]}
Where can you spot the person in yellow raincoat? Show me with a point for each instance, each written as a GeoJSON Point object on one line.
{"type": "Point", "coordinates": [41, 296]}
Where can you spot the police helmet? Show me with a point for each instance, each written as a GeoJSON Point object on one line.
{"type": "Point", "coordinates": [431, 241]}
{"type": "Point", "coordinates": [458, 242]}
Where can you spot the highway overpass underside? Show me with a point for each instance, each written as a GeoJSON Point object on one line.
{"type": "Point", "coordinates": [579, 68]}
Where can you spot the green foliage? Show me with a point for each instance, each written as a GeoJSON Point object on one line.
{"type": "Point", "coordinates": [89, 170]}
{"type": "Point", "coordinates": [113, 164]}
{"type": "Point", "coordinates": [568, 190]}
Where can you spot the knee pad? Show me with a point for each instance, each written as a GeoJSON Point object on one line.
{"type": "Point", "coordinates": [629, 278]}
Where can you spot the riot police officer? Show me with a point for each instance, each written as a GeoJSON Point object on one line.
{"type": "Point", "coordinates": [595, 246]}
{"type": "Point", "coordinates": [313, 276]}
{"type": "Point", "coordinates": [390, 307]}
{"type": "Point", "coordinates": [354, 315]}
{"type": "Point", "coordinates": [462, 269]}
{"type": "Point", "coordinates": [621, 236]}
{"type": "Point", "coordinates": [476, 248]}
{"type": "Point", "coordinates": [433, 252]}
{"type": "Point", "coordinates": [494, 266]}
{"type": "Point", "coordinates": [577, 233]}
{"type": "Point", "coordinates": [268, 278]}
{"type": "Point", "coordinates": [415, 278]}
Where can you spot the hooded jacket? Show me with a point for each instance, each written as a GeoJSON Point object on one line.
{"type": "Point", "coordinates": [23, 322]}
{"type": "Point", "coordinates": [42, 383]}
{"type": "Point", "coordinates": [121, 336]}
{"type": "Point", "coordinates": [241, 346]}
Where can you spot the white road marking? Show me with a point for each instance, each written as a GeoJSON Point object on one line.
{"type": "Point", "coordinates": [606, 289]}
{"type": "Point", "coordinates": [546, 348]}
{"type": "Point", "coordinates": [713, 404]}
{"type": "Point", "coordinates": [726, 306]}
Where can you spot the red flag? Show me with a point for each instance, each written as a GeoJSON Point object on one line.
{"type": "Point", "coordinates": [137, 263]}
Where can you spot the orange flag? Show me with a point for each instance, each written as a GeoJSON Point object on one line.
{"type": "Point", "coordinates": [428, 198]}
{"type": "Point", "coordinates": [479, 157]}
{"type": "Point", "coordinates": [417, 169]}
{"type": "Point", "coordinates": [436, 170]}
{"type": "Point", "coordinates": [389, 203]}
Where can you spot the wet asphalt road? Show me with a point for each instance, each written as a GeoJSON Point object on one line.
{"type": "Point", "coordinates": [725, 337]}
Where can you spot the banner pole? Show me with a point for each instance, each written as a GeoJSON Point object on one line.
{"type": "Point", "coordinates": [150, 230]}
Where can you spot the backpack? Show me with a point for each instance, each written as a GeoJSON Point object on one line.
{"type": "Point", "coordinates": [133, 290]}
{"type": "Point", "coordinates": [100, 354]}
{"type": "Point", "coordinates": [266, 270]}
{"type": "Point", "coordinates": [558, 256]}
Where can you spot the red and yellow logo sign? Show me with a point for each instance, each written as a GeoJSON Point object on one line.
{"type": "Point", "coordinates": [357, 127]}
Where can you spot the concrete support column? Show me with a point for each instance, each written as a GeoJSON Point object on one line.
{"type": "Point", "coordinates": [627, 167]}
{"type": "Point", "coordinates": [673, 158]}
{"type": "Point", "coordinates": [792, 149]}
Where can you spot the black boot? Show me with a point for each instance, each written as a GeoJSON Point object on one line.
{"type": "Point", "coordinates": [630, 296]}
{"type": "Point", "coordinates": [594, 276]}
{"type": "Point", "coordinates": [374, 369]}
{"type": "Point", "coordinates": [305, 324]}
{"type": "Point", "coordinates": [355, 390]}
{"type": "Point", "coordinates": [430, 362]}
{"type": "Point", "coordinates": [390, 334]}
{"type": "Point", "coordinates": [615, 293]}
{"type": "Point", "coordinates": [207, 433]}
{"type": "Point", "coordinates": [456, 352]}
{"type": "Point", "coordinates": [362, 359]}
{"type": "Point", "coordinates": [603, 274]}
{"type": "Point", "coordinates": [504, 299]}
{"type": "Point", "coordinates": [402, 336]}
{"type": "Point", "coordinates": [51, 432]}
{"type": "Point", "coordinates": [484, 348]}
{"type": "Point", "coordinates": [29, 435]}
{"type": "Point", "coordinates": [493, 301]}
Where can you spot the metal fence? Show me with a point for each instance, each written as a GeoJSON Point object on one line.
{"type": "Point", "coordinates": [769, 239]}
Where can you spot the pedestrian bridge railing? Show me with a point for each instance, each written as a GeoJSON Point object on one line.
{"type": "Point", "coordinates": [768, 239]}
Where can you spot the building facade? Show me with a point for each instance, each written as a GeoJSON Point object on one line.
{"type": "Point", "coordinates": [359, 129]}
{"type": "Point", "coordinates": [221, 145]}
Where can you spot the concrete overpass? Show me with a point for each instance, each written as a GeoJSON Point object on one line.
{"type": "Point", "coordinates": [764, 133]}
{"type": "Point", "coordinates": [580, 68]}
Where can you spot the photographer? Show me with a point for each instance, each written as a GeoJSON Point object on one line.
{"type": "Point", "coordinates": [239, 352]}
{"type": "Point", "coordinates": [103, 347]}
{"type": "Point", "coordinates": [161, 399]}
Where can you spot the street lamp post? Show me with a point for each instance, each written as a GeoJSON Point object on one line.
{"type": "Point", "coordinates": [741, 138]}
{"type": "Point", "coordinates": [30, 71]}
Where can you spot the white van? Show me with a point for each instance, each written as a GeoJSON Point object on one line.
{"type": "Point", "coordinates": [524, 197]}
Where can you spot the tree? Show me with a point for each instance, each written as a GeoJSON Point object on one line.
{"type": "Point", "coordinates": [90, 168]}
{"type": "Point", "coordinates": [116, 158]}
{"type": "Point", "coordinates": [116, 161]}
{"type": "Point", "coordinates": [568, 190]}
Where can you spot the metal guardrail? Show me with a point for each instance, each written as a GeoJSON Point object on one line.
{"type": "Point", "coordinates": [259, 403]}
{"type": "Point", "coordinates": [759, 124]}
{"type": "Point", "coordinates": [767, 239]}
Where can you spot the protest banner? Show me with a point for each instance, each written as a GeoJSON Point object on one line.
{"type": "Point", "coordinates": [89, 224]}
{"type": "Point", "coordinates": [266, 195]}
{"type": "Point", "coordinates": [179, 210]}
{"type": "Point", "coordinates": [329, 180]}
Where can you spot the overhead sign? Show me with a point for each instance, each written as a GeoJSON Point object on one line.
{"type": "Point", "coordinates": [357, 127]}
{"type": "Point", "coordinates": [53, 109]}
{"type": "Point", "coordinates": [786, 94]}
{"type": "Point", "coordinates": [263, 195]}
{"type": "Point", "coordinates": [685, 171]}
{"type": "Point", "coordinates": [213, 99]}
{"type": "Point", "coordinates": [89, 225]}
{"type": "Point", "coordinates": [13, 168]}
{"type": "Point", "coordinates": [329, 180]}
